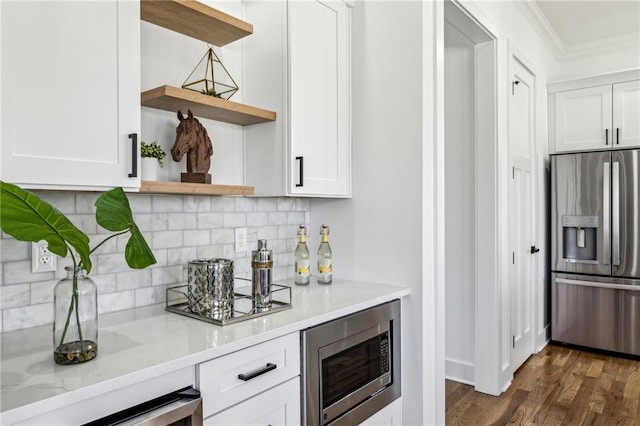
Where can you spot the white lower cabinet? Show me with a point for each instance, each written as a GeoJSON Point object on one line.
{"type": "Point", "coordinates": [279, 406]}
{"type": "Point", "coordinates": [259, 381]}
{"type": "Point", "coordinates": [391, 415]}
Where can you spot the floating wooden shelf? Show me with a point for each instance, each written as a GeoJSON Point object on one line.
{"type": "Point", "coordinates": [154, 187]}
{"type": "Point", "coordinates": [174, 99]}
{"type": "Point", "coordinates": [196, 20]}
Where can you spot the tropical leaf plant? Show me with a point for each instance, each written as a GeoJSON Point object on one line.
{"type": "Point", "coordinates": [26, 217]}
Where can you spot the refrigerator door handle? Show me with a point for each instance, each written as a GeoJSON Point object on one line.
{"type": "Point", "coordinates": [606, 205]}
{"type": "Point", "coordinates": [615, 213]}
{"type": "Point", "coordinates": [598, 284]}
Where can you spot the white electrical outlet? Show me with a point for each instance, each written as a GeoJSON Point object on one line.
{"type": "Point", "coordinates": [241, 240]}
{"type": "Point", "coordinates": [42, 260]}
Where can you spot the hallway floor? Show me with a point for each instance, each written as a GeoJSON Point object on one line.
{"type": "Point", "coordinates": [557, 386]}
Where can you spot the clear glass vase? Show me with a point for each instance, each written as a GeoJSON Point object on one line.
{"type": "Point", "coordinates": [75, 326]}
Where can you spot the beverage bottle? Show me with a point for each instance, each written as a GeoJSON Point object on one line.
{"type": "Point", "coordinates": [325, 260]}
{"type": "Point", "coordinates": [302, 264]}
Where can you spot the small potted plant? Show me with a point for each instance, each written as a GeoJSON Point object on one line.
{"type": "Point", "coordinates": [26, 217]}
{"type": "Point", "coordinates": [152, 156]}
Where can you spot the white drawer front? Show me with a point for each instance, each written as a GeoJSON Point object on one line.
{"type": "Point", "coordinates": [279, 406]}
{"type": "Point", "coordinates": [218, 379]}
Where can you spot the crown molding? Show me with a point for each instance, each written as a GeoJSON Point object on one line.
{"type": "Point", "coordinates": [562, 52]}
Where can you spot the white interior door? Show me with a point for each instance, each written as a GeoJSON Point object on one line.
{"type": "Point", "coordinates": [521, 212]}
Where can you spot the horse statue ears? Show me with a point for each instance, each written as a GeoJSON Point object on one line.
{"type": "Point", "coordinates": [189, 115]}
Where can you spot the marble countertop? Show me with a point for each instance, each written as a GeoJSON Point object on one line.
{"type": "Point", "coordinates": [143, 343]}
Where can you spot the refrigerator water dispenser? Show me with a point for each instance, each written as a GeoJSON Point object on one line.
{"type": "Point", "coordinates": [579, 239]}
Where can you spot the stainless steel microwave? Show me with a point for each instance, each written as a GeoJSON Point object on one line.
{"type": "Point", "coordinates": [351, 366]}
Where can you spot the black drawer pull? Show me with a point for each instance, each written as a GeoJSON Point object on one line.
{"type": "Point", "coordinates": [134, 155]}
{"type": "Point", "coordinates": [617, 135]}
{"type": "Point", "coordinates": [606, 136]}
{"type": "Point", "coordinates": [255, 373]}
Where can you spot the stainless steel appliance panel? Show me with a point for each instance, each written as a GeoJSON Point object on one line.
{"type": "Point", "coordinates": [580, 214]}
{"type": "Point", "coordinates": [596, 312]}
{"type": "Point", "coordinates": [625, 213]}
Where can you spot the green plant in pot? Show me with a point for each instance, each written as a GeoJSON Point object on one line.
{"type": "Point", "coordinates": [26, 217]}
{"type": "Point", "coordinates": [152, 150]}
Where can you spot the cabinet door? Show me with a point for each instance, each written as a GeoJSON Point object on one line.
{"type": "Point", "coordinates": [319, 96]}
{"type": "Point", "coordinates": [583, 119]}
{"type": "Point", "coordinates": [391, 415]}
{"type": "Point", "coordinates": [626, 114]}
{"type": "Point", "coordinates": [70, 93]}
{"type": "Point", "coordinates": [279, 406]}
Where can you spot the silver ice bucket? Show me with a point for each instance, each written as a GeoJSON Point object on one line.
{"type": "Point", "coordinates": [210, 288]}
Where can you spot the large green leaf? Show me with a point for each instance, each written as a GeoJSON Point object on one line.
{"type": "Point", "coordinates": [26, 217]}
{"type": "Point", "coordinates": [113, 213]}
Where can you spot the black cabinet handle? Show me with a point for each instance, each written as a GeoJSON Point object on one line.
{"type": "Point", "coordinates": [534, 249]}
{"type": "Point", "coordinates": [255, 373]}
{"type": "Point", "coordinates": [134, 154]}
{"type": "Point", "coordinates": [301, 182]}
{"type": "Point", "coordinates": [617, 135]}
{"type": "Point", "coordinates": [606, 136]}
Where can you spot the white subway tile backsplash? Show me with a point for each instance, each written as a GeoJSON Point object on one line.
{"type": "Point", "coordinates": [15, 295]}
{"type": "Point", "coordinates": [286, 204]}
{"type": "Point", "coordinates": [198, 237]}
{"type": "Point", "coordinates": [183, 221]}
{"type": "Point", "coordinates": [118, 301]}
{"type": "Point", "coordinates": [181, 256]}
{"type": "Point", "coordinates": [14, 250]}
{"type": "Point", "coordinates": [257, 219]}
{"type": "Point", "coordinates": [167, 239]}
{"type": "Point", "coordinates": [168, 275]}
{"type": "Point", "coordinates": [277, 218]}
{"type": "Point", "coordinates": [20, 272]}
{"type": "Point", "coordinates": [133, 279]}
{"type": "Point", "coordinates": [235, 220]}
{"type": "Point", "coordinates": [246, 204]}
{"type": "Point", "coordinates": [178, 228]}
{"type": "Point", "coordinates": [166, 203]}
{"type": "Point", "coordinates": [85, 202]}
{"type": "Point", "coordinates": [210, 220]}
{"type": "Point", "coordinates": [150, 295]}
{"type": "Point", "coordinates": [223, 204]}
{"type": "Point", "coordinates": [27, 316]}
{"type": "Point", "coordinates": [267, 204]}
{"type": "Point", "coordinates": [196, 204]}
{"type": "Point", "coordinates": [42, 292]}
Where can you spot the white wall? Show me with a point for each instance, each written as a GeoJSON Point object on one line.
{"type": "Point", "coordinates": [377, 235]}
{"type": "Point", "coordinates": [460, 200]}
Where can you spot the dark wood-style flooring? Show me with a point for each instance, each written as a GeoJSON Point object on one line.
{"type": "Point", "coordinates": [557, 386]}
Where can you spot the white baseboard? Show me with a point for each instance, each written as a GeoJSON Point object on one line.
{"type": "Point", "coordinates": [459, 371]}
{"type": "Point", "coordinates": [543, 338]}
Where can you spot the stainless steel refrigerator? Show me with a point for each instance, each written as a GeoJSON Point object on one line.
{"type": "Point", "coordinates": [595, 253]}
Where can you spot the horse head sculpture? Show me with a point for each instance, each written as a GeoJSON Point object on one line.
{"type": "Point", "coordinates": [192, 139]}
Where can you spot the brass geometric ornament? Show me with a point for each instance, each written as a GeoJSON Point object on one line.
{"type": "Point", "coordinates": [211, 77]}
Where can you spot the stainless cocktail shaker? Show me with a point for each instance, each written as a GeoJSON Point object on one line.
{"type": "Point", "coordinates": [262, 265]}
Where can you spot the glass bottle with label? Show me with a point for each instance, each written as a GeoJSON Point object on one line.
{"type": "Point", "coordinates": [302, 263]}
{"type": "Point", "coordinates": [325, 260]}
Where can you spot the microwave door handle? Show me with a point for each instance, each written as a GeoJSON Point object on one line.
{"type": "Point", "coordinates": [606, 206]}
{"type": "Point", "coordinates": [615, 213]}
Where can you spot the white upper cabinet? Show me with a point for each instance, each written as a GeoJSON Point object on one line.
{"type": "Point", "coordinates": [595, 113]}
{"type": "Point", "coordinates": [70, 94]}
{"type": "Point", "coordinates": [583, 119]}
{"type": "Point", "coordinates": [300, 67]}
{"type": "Point", "coordinates": [626, 114]}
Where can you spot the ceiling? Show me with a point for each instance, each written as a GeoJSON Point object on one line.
{"type": "Point", "coordinates": [579, 27]}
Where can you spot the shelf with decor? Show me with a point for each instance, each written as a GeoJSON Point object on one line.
{"type": "Point", "coordinates": [210, 25]}
{"type": "Point", "coordinates": [157, 187]}
{"type": "Point", "coordinates": [174, 99]}
{"type": "Point", "coordinates": [196, 20]}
